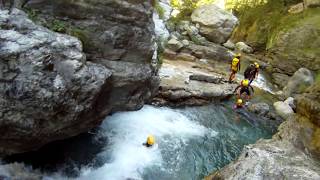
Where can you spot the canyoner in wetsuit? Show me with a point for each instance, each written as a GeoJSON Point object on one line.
{"type": "Point", "coordinates": [252, 72]}
{"type": "Point", "coordinates": [244, 87]}
{"type": "Point", "coordinates": [235, 67]}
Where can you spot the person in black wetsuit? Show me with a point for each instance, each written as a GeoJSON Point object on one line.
{"type": "Point", "coordinates": [252, 72]}
{"type": "Point", "coordinates": [244, 89]}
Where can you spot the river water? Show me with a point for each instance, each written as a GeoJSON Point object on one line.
{"type": "Point", "coordinates": [190, 143]}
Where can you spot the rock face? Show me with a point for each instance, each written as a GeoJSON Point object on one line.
{"type": "Point", "coordinates": [297, 46]}
{"type": "Point", "coordinates": [49, 89]}
{"type": "Point", "coordinates": [282, 157]}
{"type": "Point", "coordinates": [215, 24]}
{"type": "Point", "coordinates": [308, 104]}
{"type": "Point", "coordinates": [301, 79]}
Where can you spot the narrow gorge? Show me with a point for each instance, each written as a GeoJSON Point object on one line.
{"type": "Point", "coordinates": [85, 82]}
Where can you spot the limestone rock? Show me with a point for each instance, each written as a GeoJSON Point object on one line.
{"type": "Point", "coordinates": [308, 104]}
{"type": "Point", "coordinates": [185, 57]}
{"type": "Point", "coordinates": [215, 24]}
{"type": "Point", "coordinates": [206, 78]}
{"type": "Point", "coordinates": [230, 45]}
{"type": "Point", "coordinates": [282, 157]}
{"type": "Point", "coordinates": [174, 45]}
{"type": "Point", "coordinates": [280, 79]}
{"type": "Point", "coordinates": [48, 89]}
{"type": "Point", "coordinates": [210, 51]}
{"type": "Point", "coordinates": [311, 3]}
{"type": "Point", "coordinates": [297, 8]}
{"type": "Point", "coordinates": [241, 46]}
{"type": "Point", "coordinates": [290, 102]}
{"type": "Point", "coordinates": [301, 79]}
{"type": "Point", "coordinates": [283, 109]}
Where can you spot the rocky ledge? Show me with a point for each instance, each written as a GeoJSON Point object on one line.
{"type": "Point", "coordinates": [49, 90]}
{"type": "Point", "coordinates": [191, 83]}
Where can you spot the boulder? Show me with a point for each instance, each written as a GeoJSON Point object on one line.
{"type": "Point", "coordinates": [48, 89]}
{"type": "Point", "coordinates": [283, 109]}
{"type": "Point", "coordinates": [311, 3]}
{"type": "Point", "coordinates": [262, 109]}
{"type": "Point", "coordinates": [210, 52]}
{"type": "Point", "coordinates": [230, 45]}
{"type": "Point", "coordinates": [297, 8]}
{"type": "Point", "coordinates": [174, 45]}
{"type": "Point", "coordinates": [215, 24]}
{"type": "Point", "coordinates": [243, 47]}
{"type": "Point", "coordinates": [290, 102]}
{"type": "Point", "coordinates": [168, 54]}
{"type": "Point", "coordinates": [301, 79]}
{"type": "Point", "coordinates": [280, 79]}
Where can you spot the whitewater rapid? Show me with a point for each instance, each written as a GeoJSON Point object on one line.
{"type": "Point", "coordinates": [126, 132]}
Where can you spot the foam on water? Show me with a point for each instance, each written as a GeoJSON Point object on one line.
{"type": "Point", "coordinates": [126, 157]}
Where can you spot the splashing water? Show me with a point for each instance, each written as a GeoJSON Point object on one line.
{"type": "Point", "coordinates": [127, 131]}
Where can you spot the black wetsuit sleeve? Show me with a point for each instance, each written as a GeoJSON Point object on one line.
{"type": "Point", "coordinates": [252, 88]}
{"type": "Point", "coordinates": [235, 90]}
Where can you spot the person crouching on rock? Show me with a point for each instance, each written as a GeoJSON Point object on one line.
{"type": "Point", "coordinates": [252, 72]}
{"type": "Point", "coordinates": [150, 141]}
{"type": "Point", "coordinates": [235, 67]}
{"type": "Point", "coordinates": [244, 88]}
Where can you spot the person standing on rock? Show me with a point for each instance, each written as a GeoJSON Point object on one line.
{"type": "Point", "coordinates": [235, 67]}
{"type": "Point", "coordinates": [252, 72]}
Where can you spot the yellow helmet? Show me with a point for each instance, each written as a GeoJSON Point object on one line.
{"type": "Point", "coordinates": [150, 140]}
{"type": "Point", "coordinates": [245, 82]}
{"type": "Point", "coordinates": [256, 65]}
{"type": "Point", "coordinates": [239, 102]}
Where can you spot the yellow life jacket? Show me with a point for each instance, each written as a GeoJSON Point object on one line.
{"type": "Point", "coordinates": [234, 64]}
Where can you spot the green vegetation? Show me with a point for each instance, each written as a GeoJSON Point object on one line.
{"type": "Point", "coordinates": [186, 7]}
{"type": "Point", "coordinates": [58, 26]}
{"type": "Point", "coordinates": [32, 13]}
{"type": "Point", "coordinates": [159, 9]}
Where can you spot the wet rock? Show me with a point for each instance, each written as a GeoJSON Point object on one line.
{"type": "Point", "coordinates": [174, 45]}
{"type": "Point", "coordinates": [300, 81]}
{"type": "Point", "coordinates": [241, 46]}
{"type": "Point", "coordinates": [262, 109]}
{"type": "Point", "coordinates": [215, 24]}
{"type": "Point", "coordinates": [283, 109]}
